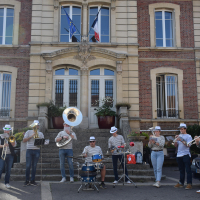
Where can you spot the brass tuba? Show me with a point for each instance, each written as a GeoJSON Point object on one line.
{"type": "Point", "coordinates": [34, 126]}
{"type": "Point", "coordinates": [73, 117]}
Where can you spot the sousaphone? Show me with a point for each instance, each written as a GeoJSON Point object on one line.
{"type": "Point", "coordinates": [73, 117]}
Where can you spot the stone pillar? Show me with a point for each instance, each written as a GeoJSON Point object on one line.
{"type": "Point", "coordinates": [123, 115]}
{"type": "Point", "coordinates": [56, 19]}
{"type": "Point", "coordinates": [113, 21]}
{"type": "Point", "coordinates": [43, 111]}
{"type": "Point", "coordinates": [48, 91]}
{"type": "Point", "coordinates": [23, 152]}
{"type": "Point", "coordinates": [119, 81]}
{"type": "Point", "coordinates": [84, 98]}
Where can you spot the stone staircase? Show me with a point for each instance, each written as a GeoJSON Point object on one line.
{"type": "Point", "coordinates": [51, 164]}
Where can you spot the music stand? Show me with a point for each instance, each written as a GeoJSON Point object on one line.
{"type": "Point", "coordinates": [40, 142]}
{"type": "Point", "coordinates": [124, 174]}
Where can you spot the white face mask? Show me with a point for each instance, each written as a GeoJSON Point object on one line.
{"type": "Point", "coordinates": [4, 135]}
{"type": "Point", "coordinates": [67, 128]}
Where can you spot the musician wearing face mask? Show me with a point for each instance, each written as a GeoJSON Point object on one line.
{"type": "Point", "coordinates": [6, 153]}
{"type": "Point", "coordinates": [183, 157]}
{"type": "Point", "coordinates": [197, 141]}
{"type": "Point", "coordinates": [156, 143]}
{"type": "Point", "coordinates": [66, 151]}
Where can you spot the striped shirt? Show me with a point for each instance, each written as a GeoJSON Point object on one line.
{"type": "Point", "coordinates": [63, 133]}
{"type": "Point", "coordinates": [90, 151]}
{"type": "Point", "coordinates": [30, 143]}
{"type": "Point", "coordinates": [115, 141]}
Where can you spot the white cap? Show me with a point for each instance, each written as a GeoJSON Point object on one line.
{"type": "Point", "coordinates": [157, 128]}
{"type": "Point", "coordinates": [36, 122]}
{"type": "Point", "coordinates": [182, 125]}
{"type": "Point", "coordinates": [113, 129]}
{"type": "Point", "coordinates": [92, 138]}
{"type": "Point", "coordinates": [7, 127]}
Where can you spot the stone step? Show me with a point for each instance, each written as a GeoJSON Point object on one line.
{"type": "Point", "coordinates": [56, 171]}
{"type": "Point", "coordinates": [57, 166]}
{"type": "Point", "coordinates": [108, 178]}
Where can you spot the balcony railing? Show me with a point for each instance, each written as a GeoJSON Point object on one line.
{"type": "Point", "coordinates": [4, 113]}
{"type": "Point", "coordinates": [168, 113]}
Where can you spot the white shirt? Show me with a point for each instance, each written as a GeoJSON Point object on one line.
{"type": "Point", "coordinates": [182, 149]}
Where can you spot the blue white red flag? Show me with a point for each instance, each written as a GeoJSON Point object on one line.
{"type": "Point", "coordinates": [96, 29]}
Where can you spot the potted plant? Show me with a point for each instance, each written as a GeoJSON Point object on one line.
{"type": "Point", "coordinates": [105, 115]}
{"type": "Point", "coordinates": [137, 136]}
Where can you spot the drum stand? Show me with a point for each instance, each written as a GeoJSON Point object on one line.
{"type": "Point", "coordinates": [88, 186]}
{"type": "Point", "coordinates": [124, 174]}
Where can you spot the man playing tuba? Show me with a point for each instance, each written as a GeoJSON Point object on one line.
{"type": "Point", "coordinates": [7, 154]}
{"type": "Point", "coordinates": [66, 151]}
{"type": "Point", "coordinates": [32, 152]}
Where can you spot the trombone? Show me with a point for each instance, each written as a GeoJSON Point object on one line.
{"type": "Point", "coordinates": [193, 141]}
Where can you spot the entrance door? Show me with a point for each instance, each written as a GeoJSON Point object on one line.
{"type": "Point", "coordinates": [101, 85]}
{"type": "Point", "coordinates": [66, 88]}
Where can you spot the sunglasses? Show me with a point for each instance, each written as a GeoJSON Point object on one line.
{"type": "Point", "coordinates": [92, 141]}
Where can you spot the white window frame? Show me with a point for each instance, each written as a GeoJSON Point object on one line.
{"type": "Point", "coordinates": [99, 19]}
{"type": "Point", "coordinates": [4, 24]}
{"type": "Point", "coordinates": [66, 77]}
{"type": "Point", "coordinates": [163, 27]}
{"type": "Point", "coordinates": [176, 94]}
{"type": "Point", "coordinates": [70, 15]}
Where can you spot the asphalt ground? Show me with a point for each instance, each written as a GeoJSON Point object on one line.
{"type": "Point", "coordinates": [60, 191]}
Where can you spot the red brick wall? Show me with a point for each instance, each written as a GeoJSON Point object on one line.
{"type": "Point", "coordinates": [189, 85]}
{"type": "Point", "coordinates": [186, 22]}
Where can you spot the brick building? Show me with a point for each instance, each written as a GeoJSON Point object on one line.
{"type": "Point", "coordinates": [148, 56]}
{"type": "Point", "coordinates": [15, 35]}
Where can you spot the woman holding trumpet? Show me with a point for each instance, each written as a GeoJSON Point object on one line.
{"type": "Point", "coordinates": [7, 154]}
{"type": "Point", "coordinates": [156, 143]}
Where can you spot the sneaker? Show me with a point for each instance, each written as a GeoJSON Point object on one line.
{"type": "Point", "coordinates": [26, 183]}
{"type": "Point", "coordinates": [7, 186]}
{"type": "Point", "coordinates": [128, 182]}
{"type": "Point", "coordinates": [63, 180]}
{"type": "Point", "coordinates": [157, 184]}
{"type": "Point", "coordinates": [71, 179]}
{"type": "Point", "coordinates": [103, 186]}
{"type": "Point", "coordinates": [178, 185]}
{"type": "Point", "coordinates": [198, 191]}
{"type": "Point", "coordinates": [188, 187]}
{"type": "Point", "coordinates": [33, 183]}
{"type": "Point", "coordinates": [115, 182]}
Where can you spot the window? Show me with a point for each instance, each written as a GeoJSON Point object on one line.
{"type": "Point", "coordinates": [5, 94]}
{"type": "Point", "coordinates": [167, 103]}
{"type": "Point", "coordinates": [164, 29]}
{"type": "Point", "coordinates": [6, 25]}
{"type": "Point", "coordinates": [74, 13]}
{"type": "Point", "coordinates": [103, 23]}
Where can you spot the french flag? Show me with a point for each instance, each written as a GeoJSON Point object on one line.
{"type": "Point", "coordinates": [96, 29]}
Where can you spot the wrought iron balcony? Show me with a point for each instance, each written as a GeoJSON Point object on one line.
{"type": "Point", "coordinates": [168, 113]}
{"type": "Point", "coordinates": [4, 113]}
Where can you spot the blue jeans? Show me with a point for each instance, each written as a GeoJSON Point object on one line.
{"type": "Point", "coordinates": [32, 157]}
{"type": "Point", "coordinates": [157, 159]}
{"type": "Point", "coordinates": [121, 159]}
{"type": "Point", "coordinates": [184, 164]}
{"type": "Point", "coordinates": [8, 162]}
{"type": "Point", "coordinates": [62, 154]}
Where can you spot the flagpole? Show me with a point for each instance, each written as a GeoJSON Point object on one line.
{"type": "Point", "coordinates": [72, 21]}
{"type": "Point", "coordinates": [93, 21]}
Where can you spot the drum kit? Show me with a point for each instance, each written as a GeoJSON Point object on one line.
{"type": "Point", "coordinates": [89, 173]}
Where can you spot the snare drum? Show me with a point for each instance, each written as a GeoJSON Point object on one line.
{"type": "Point", "coordinates": [88, 167]}
{"type": "Point", "coordinates": [96, 158]}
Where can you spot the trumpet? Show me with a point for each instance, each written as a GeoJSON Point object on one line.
{"type": "Point", "coordinates": [175, 140]}
{"type": "Point", "coordinates": [11, 139]}
{"type": "Point", "coordinates": [3, 155]}
{"type": "Point", "coordinates": [193, 141]}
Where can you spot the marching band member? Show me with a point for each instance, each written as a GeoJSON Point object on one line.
{"type": "Point", "coordinates": [32, 154]}
{"type": "Point", "coordinates": [183, 157]}
{"type": "Point", "coordinates": [157, 155]}
{"type": "Point", "coordinates": [117, 140]}
{"type": "Point", "coordinates": [91, 150]}
{"type": "Point", "coordinates": [197, 140]}
{"type": "Point", "coordinates": [66, 151]}
{"type": "Point", "coordinates": [8, 155]}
